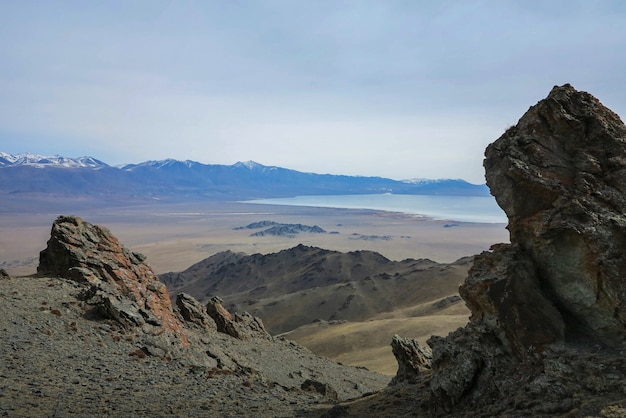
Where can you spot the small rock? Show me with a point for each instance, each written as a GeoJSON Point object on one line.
{"type": "Point", "coordinates": [323, 389]}
{"type": "Point", "coordinates": [192, 311]}
{"type": "Point", "coordinates": [413, 359]}
{"type": "Point", "coordinates": [242, 326]}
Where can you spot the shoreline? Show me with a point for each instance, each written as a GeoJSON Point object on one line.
{"type": "Point", "coordinates": [469, 209]}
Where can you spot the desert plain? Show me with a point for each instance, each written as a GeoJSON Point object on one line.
{"type": "Point", "coordinates": [174, 236]}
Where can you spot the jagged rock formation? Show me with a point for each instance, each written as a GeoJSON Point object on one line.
{"type": "Point", "coordinates": [549, 308]}
{"type": "Point", "coordinates": [413, 360]}
{"type": "Point", "coordinates": [193, 312]}
{"type": "Point", "coordinates": [240, 325]}
{"type": "Point", "coordinates": [103, 297]}
{"type": "Point", "coordinates": [123, 286]}
{"type": "Point", "coordinates": [559, 175]}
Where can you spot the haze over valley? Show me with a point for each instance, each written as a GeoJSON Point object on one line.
{"type": "Point", "coordinates": [179, 213]}
{"type": "Point", "coordinates": [313, 208]}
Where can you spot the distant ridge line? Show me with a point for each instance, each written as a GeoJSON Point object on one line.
{"type": "Point", "coordinates": [175, 179]}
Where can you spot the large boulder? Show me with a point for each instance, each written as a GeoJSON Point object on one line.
{"type": "Point", "coordinates": [122, 286]}
{"type": "Point", "coordinates": [192, 312]}
{"type": "Point", "coordinates": [555, 295]}
{"type": "Point", "coordinates": [559, 176]}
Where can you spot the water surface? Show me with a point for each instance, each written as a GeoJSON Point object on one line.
{"type": "Point", "coordinates": [482, 209]}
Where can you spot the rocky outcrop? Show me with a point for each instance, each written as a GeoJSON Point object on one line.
{"type": "Point", "coordinates": [504, 292]}
{"type": "Point", "coordinates": [193, 312]}
{"type": "Point", "coordinates": [122, 286]}
{"type": "Point", "coordinates": [413, 359]}
{"type": "Point", "coordinates": [559, 176]}
{"type": "Point", "coordinates": [242, 326]}
{"type": "Point", "coordinates": [550, 307]}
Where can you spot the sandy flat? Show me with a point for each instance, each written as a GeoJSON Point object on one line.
{"type": "Point", "coordinates": [174, 236]}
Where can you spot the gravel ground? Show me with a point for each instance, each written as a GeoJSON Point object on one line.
{"type": "Point", "coordinates": [54, 361]}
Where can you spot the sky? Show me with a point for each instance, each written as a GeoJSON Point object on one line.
{"type": "Point", "coordinates": [393, 88]}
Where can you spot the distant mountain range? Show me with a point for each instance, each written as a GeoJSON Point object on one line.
{"type": "Point", "coordinates": [40, 161]}
{"type": "Point", "coordinates": [23, 174]}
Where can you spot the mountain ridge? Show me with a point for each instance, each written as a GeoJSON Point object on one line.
{"type": "Point", "coordinates": [40, 161]}
{"type": "Point", "coordinates": [266, 285]}
{"type": "Point", "coordinates": [26, 173]}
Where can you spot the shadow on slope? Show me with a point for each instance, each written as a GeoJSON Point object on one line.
{"type": "Point", "coordinates": [346, 306]}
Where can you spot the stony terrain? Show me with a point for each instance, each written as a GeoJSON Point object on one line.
{"type": "Point", "coordinates": [94, 333]}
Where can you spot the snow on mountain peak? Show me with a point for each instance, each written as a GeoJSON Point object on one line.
{"type": "Point", "coordinates": [40, 161]}
{"type": "Point", "coordinates": [250, 165]}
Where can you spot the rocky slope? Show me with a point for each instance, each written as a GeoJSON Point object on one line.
{"type": "Point", "coordinates": [96, 333]}
{"type": "Point", "coordinates": [346, 306]}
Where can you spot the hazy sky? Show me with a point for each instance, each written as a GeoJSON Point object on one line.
{"type": "Point", "coordinates": [391, 88]}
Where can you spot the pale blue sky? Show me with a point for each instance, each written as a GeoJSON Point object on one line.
{"type": "Point", "coordinates": [391, 88]}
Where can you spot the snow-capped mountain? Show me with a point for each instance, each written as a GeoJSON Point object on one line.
{"type": "Point", "coordinates": [41, 161]}
{"type": "Point", "coordinates": [168, 163]}
{"type": "Point", "coordinates": [32, 173]}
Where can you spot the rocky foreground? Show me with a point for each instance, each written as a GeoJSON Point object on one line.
{"type": "Point", "coordinates": [94, 333]}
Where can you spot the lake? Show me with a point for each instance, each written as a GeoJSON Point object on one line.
{"type": "Point", "coordinates": [482, 209]}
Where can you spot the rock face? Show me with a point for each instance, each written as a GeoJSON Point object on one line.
{"type": "Point", "coordinates": [559, 176]}
{"type": "Point", "coordinates": [193, 312]}
{"type": "Point", "coordinates": [123, 287]}
{"type": "Point", "coordinates": [413, 360]}
{"type": "Point", "coordinates": [551, 305]}
{"type": "Point", "coordinates": [242, 326]}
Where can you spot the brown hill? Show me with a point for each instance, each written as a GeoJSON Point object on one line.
{"type": "Point", "coordinates": [309, 293]}
{"type": "Point", "coordinates": [316, 284]}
